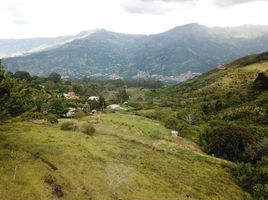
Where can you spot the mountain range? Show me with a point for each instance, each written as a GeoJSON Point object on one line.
{"type": "Point", "coordinates": [177, 54]}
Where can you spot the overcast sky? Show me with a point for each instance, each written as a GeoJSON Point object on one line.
{"type": "Point", "coordinates": [39, 18]}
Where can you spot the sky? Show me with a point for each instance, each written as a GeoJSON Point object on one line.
{"type": "Point", "coordinates": [49, 18]}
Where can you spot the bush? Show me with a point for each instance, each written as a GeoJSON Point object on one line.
{"type": "Point", "coordinates": [254, 178]}
{"type": "Point", "coordinates": [87, 129]}
{"type": "Point", "coordinates": [53, 119]}
{"type": "Point", "coordinates": [171, 123]}
{"type": "Point", "coordinates": [229, 141]}
{"type": "Point", "coordinates": [68, 126]}
{"type": "Point", "coordinates": [256, 151]}
{"type": "Point", "coordinates": [32, 116]}
{"type": "Point", "coordinates": [151, 114]}
{"type": "Point", "coordinates": [261, 81]}
{"type": "Point", "coordinates": [57, 106]}
{"type": "Point", "coordinates": [80, 114]}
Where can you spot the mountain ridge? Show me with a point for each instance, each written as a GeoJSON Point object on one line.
{"type": "Point", "coordinates": [190, 48]}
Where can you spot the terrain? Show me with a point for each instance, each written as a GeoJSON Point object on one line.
{"type": "Point", "coordinates": [175, 55]}
{"type": "Point", "coordinates": [129, 157]}
{"type": "Point", "coordinates": [132, 154]}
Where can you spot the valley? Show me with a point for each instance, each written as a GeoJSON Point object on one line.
{"type": "Point", "coordinates": [205, 138]}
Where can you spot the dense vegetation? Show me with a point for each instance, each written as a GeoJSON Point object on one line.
{"type": "Point", "coordinates": [33, 97]}
{"type": "Point", "coordinates": [224, 111]}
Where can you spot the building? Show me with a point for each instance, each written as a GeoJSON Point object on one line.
{"type": "Point", "coordinates": [71, 96]}
{"type": "Point", "coordinates": [70, 113]}
{"type": "Point", "coordinates": [93, 98]}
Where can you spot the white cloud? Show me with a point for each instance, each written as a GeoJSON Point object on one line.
{"type": "Point", "coordinates": [32, 18]}
{"type": "Point", "coordinates": [233, 2]}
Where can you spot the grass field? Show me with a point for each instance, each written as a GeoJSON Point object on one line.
{"type": "Point", "coordinates": [129, 157]}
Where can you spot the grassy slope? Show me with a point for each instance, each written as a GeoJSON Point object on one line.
{"type": "Point", "coordinates": [233, 84]}
{"type": "Point", "coordinates": [234, 80]}
{"type": "Point", "coordinates": [127, 148]}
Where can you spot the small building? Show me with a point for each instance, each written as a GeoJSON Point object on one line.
{"type": "Point", "coordinates": [71, 96]}
{"type": "Point", "coordinates": [93, 98]}
{"type": "Point", "coordinates": [174, 133]}
{"type": "Point", "coordinates": [70, 113]}
{"type": "Point", "coordinates": [115, 107]}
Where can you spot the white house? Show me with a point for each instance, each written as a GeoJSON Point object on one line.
{"type": "Point", "coordinates": [70, 113]}
{"type": "Point", "coordinates": [174, 133]}
{"type": "Point", "coordinates": [93, 98]}
{"type": "Point", "coordinates": [115, 107]}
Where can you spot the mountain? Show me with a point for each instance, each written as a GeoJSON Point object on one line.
{"type": "Point", "coordinates": [173, 55]}
{"type": "Point", "coordinates": [18, 47]}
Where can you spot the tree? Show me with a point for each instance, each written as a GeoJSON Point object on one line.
{"type": "Point", "coordinates": [102, 102]}
{"type": "Point", "coordinates": [261, 81]}
{"type": "Point", "coordinates": [54, 77]}
{"type": "Point", "coordinates": [171, 122]}
{"type": "Point", "coordinates": [256, 151]}
{"type": "Point", "coordinates": [189, 118]}
{"type": "Point", "coordinates": [254, 178]}
{"type": "Point", "coordinates": [122, 96]}
{"type": "Point", "coordinates": [86, 107]}
{"type": "Point", "coordinates": [4, 91]}
{"type": "Point", "coordinates": [229, 141]}
{"type": "Point", "coordinates": [2, 71]}
{"type": "Point", "coordinates": [57, 106]}
{"type": "Point", "coordinates": [207, 108]}
{"type": "Point", "coordinates": [78, 89]}
{"type": "Point", "coordinates": [22, 75]}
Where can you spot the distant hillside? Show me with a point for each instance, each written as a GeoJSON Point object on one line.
{"type": "Point", "coordinates": [174, 55]}
{"type": "Point", "coordinates": [251, 59]}
{"type": "Point", "coordinates": [18, 47]}
{"type": "Point", "coordinates": [236, 91]}
{"type": "Point", "coordinates": [235, 79]}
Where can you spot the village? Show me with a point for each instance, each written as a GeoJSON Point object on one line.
{"type": "Point", "coordinates": [90, 106]}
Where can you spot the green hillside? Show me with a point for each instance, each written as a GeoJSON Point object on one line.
{"type": "Point", "coordinates": [228, 93]}
{"type": "Point", "coordinates": [219, 116]}
{"type": "Point", "coordinates": [129, 157]}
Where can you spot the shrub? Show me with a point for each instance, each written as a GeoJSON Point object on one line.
{"type": "Point", "coordinates": [79, 114]}
{"type": "Point", "coordinates": [261, 81]}
{"type": "Point", "coordinates": [53, 119]}
{"type": "Point", "coordinates": [254, 178]}
{"type": "Point", "coordinates": [183, 128]}
{"type": "Point", "coordinates": [256, 151]}
{"type": "Point", "coordinates": [68, 126]}
{"type": "Point", "coordinates": [250, 113]}
{"type": "Point", "coordinates": [171, 123]}
{"type": "Point", "coordinates": [57, 106]}
{"type": "Point", "coordinates": [229, 141]}
{"type": "Point", "coordinates": [87, 129]}
{"type": "Point", "coordinates": [32, 116]}
{"type": "Point", "coordinates": [207, 108]}
{"type": "Point", "coordinates": [151, 114]}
